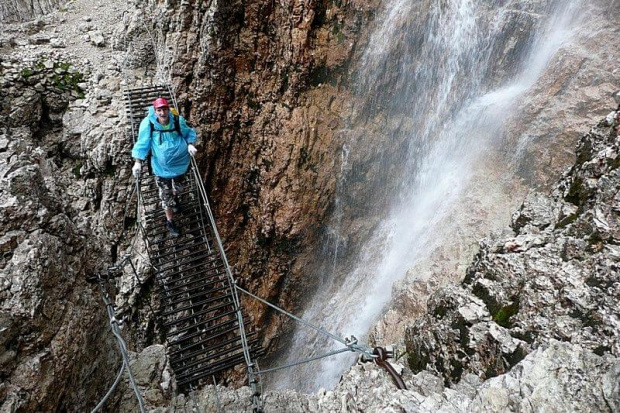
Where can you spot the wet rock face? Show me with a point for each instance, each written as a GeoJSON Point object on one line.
{"type": "Point", "coordinates": [556, 278]}
{"type": "Point", "coordinates": [22, 10]}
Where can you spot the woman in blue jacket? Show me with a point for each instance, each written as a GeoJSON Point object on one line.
{"type": "Point", "coordinates": [170, 142]}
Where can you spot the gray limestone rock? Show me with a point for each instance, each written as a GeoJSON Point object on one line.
{"type": "Point", "coordinates": [96, 38]}
{"type": "Point", "coordinates": [557, 377]}
{"type": "Point", "coordinates": [557, 279]}
{"type": "Point", "coordinates": [57, 43]}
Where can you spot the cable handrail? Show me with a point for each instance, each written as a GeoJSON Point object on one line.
{"type": "Point", "coordinates": [256, 401]}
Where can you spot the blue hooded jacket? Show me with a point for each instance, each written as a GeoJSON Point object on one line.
{"type": "Point", "coordinates": [169, 156]}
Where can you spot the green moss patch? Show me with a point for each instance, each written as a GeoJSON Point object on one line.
{"type": "Point", "coordinates": [502, 316]}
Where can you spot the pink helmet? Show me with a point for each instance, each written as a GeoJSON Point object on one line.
{"type": "Point", "coordinates": [160, 103]}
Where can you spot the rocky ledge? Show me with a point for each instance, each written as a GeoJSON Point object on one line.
{"type": "Point", "coordinates": [554, 279]}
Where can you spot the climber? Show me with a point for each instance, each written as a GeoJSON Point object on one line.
{"type": "Point", "coordinates": [170, 142]}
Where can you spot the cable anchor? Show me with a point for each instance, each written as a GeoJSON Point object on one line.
{"type": "Point", "coordinates": [381, 356]}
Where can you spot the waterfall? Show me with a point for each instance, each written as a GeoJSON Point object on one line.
{"type": "Point", "coordinates": [446, 74]}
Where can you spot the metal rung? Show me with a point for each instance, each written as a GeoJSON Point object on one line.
{"type": "Point", "coordinates": [190, 355]}
{"type": "Point", "coordinates": [215, 277]}
{"type": "Point", "coordinates": [232, 361]}
{"type": "Point", "coordinates": [195, 282]}
{"type": "Point", "coordinates": [187, 370]}
{"type": "Point", "coordinates": [185, 377]}
{"type": "Point", "coordinates": [177, 366]}
{"type": "Point", "coordinates": [140, 102]}
{"type": "Point", "coordinates": [197, 376]}
{"type": "Point", "coordinates": [197, 293]}
{"type": "Point", "coordinates": [198, 313]}
{"type": "Point", "coordinates": [196, 288]}
{"type": "Point", "coordinates": [188, 205]}
{"type": "Point", "coordinates": [168, 254]}
{"type": "Point", "coordinates": [228, 315]}
{"type": "Point", "coordinates": [184, 243]}
{"type": "Point", "coordinates": [190, 253]}
{"type": "Point", "coordinates": [177, 248]}
{"type": "Point", "coordinates": [200, 267]}
{"type": "Point", "coordinates": [227, 296]}
{"type": "Point", "coordinates": [223, 324]}
{"type": "Point", "coordinates": [203, 274]}
{"type": "Point", "coordinates": [190, 256]}
{"type": "Point", "coordinates": [186, 259]}
{"type": "Point", "coordinates": [139, 89]}
{"type": "Point", "coordinates": [187, 220]}
{"type": "Point", "coordinates": [157, 243]}
{"type": "Point", "coordinates": [154, 192]}
{"type": "Point", "coordinates": [202, 322]}
{"type": "Point", "coordinates": [160, 226]}
{"type": "Point", "coordinates": [194, 296]}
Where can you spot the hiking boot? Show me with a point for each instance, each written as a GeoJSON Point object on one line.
{"type": "Point", "coordinates": [174, 232]}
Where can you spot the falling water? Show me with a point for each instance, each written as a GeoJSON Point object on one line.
{"type": "Point", "coordinates": [450, 71]}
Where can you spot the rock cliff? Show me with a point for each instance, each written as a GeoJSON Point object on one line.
{"type": "Point", "coordinates": [554, 278]}
{"type": "Point", "coordinates": [20, 10]}
{"type": "Point", "coordinates": [268, 86]}
{"type": "Point", "coordinates": [533, 327]}
{"type": "Point", "coordinates": [265, 83]}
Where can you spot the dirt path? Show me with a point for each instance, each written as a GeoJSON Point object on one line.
{"type": "Point", "coordinates": [82, 31]}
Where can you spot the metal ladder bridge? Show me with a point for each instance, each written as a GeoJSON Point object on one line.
{"type": "Point", "coordinates": [206, 329]}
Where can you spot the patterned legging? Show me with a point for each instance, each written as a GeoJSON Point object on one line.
{"type": "Point", "coordinates": [169, 189]}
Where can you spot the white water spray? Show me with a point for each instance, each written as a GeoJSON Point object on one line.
{"type": "Point", "coordinates": [458, 102]}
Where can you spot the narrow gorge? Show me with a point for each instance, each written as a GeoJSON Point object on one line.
{"type": "Point", "coordinates": [437, 177]}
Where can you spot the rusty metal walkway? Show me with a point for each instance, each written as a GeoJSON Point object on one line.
{"type": "Point", "coordinates": [205, 326]}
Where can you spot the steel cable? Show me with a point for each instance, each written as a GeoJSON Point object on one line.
{"type": "Point", "coordinates": [109, 393]}
{"type": "Point", "coordinates": [123, 348]}
{"type": "Point", "coordinates": [350, 346]}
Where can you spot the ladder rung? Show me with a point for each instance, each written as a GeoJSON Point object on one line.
{"type": "Point", "coordinates": [195, 325]}
{"type": "Point", "coordinates": [187, 259]}
{"type": "Point", "coordinates": [183, 371]}
{"type": "Point", "coordinates": [220, 344]}
{"type": "Point", "coordinates": [194, 296]}
{"type": "Point", "coordinates": [200, 267]}
{"type": "Point", "coordinates": [198, 313]}
{"type": "Point", "coordinates": [191, 280]}
{"type": "Point", "coordinates": [175, 249]}
{"type": "Point", "coordinates": [199, 303]}
{"type": "Point", "coordinates": [211, 281]}
{"type": "Point", "coordinates": [184, 376]}
{"type": "Point", "coordinates": [185, 338]}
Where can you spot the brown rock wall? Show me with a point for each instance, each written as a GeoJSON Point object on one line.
{"type": "Point", "coordinates": [265, 83]}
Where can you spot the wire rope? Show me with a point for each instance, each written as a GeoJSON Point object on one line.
{"type": "Point", "coordinates": [351, 345]}
{"type": "Point", "coordinates": [109, 393]}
